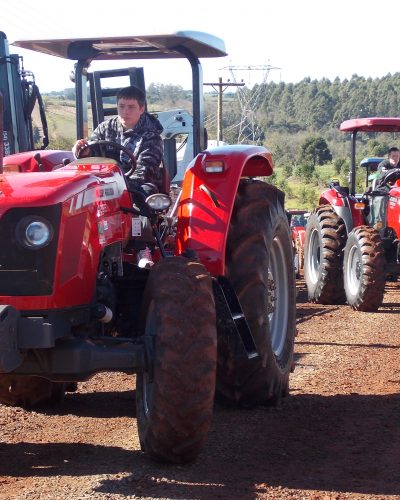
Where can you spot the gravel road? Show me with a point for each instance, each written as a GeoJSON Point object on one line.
{"type": "Point", "coordinates": [336, 436]}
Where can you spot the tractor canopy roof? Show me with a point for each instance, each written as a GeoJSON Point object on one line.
{"type": "Point", "coordinates": [189, 45]}
{"type": "Point", "coordinates": [374, 124]}
{"type": "Point", "coordinates": [174, 45]}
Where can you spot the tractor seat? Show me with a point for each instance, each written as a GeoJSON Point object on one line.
{"type": "Point", "coordinates": [342, 190]}
{"type": "Point", "coordinates": [376, 208]}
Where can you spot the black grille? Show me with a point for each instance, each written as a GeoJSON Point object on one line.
{"type": "Point", "coordinates": [24, 271]}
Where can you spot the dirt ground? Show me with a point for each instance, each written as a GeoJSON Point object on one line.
{"type": "Point", "coordinates": [336, 436]}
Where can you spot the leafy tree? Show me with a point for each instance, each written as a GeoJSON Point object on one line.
{"type": "Point", "coordinates": [377, 148]}
{"type": "Point", "coordinates": [303, 196]}
{"type": "Point", "coordinates": [305, 171]}
{"type": "Point", "coordinates": [287, 170]}
{"type": "Point", "coordinates": [315, 151]}
{"type": "Point", "coordinates": [344, 172]}
{"type": "Point", "coordinates": [338, 164]}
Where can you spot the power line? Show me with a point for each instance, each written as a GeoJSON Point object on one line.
{"type": "Point", "coordinates": [220, 88]}
{"type": "Point", "coordinates": [250, 100]}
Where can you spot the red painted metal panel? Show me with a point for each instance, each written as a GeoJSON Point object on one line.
{"type": "Point", "coordinates": [207, 200]}
{"type": "Point", "coordinates": [91, 197]}
{"type": "Point", "coordinates": [373, 124]}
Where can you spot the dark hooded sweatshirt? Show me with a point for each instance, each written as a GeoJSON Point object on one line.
{"type": "Point", "coordinates": [143, 139]}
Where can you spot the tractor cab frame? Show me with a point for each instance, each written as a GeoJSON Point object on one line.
{"type": "Point", "coordinates": [189, 45]}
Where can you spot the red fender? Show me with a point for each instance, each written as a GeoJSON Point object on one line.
{"type": "Point", "coordinates": [208, 197]}
{"type": "Point", "coordinates": [344, 207]}
{"type": "Point", "coordinates": [332, 197]}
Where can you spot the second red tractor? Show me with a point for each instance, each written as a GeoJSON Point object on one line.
{"type": "Point", "coordinates": [352, 239]}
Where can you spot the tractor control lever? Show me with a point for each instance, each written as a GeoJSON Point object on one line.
{"type": "Point", "coordinates": [39, 162]}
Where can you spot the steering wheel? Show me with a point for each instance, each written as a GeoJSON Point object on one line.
{"type": "Point", "coordinates": [97, 148]}
{"type": "Point", "coordinates": [391, 176]}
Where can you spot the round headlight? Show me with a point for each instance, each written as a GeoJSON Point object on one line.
{"type": "Point", "coordinates": [158, 202]}
{"type": "Point", "coordinates": [34, 232]}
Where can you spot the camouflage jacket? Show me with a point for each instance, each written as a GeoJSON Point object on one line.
{"type": "Point", "coordinates": [143, 139]}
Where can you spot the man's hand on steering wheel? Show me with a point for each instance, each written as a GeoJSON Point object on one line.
{"type": "Point", "coordinates": [98, 148]}
{"type": "Point", "coordinates": [81, 149]}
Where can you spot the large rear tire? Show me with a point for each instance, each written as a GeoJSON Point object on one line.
{"type": "Point", "coordinates": [323, 256]}
{"type": "Point", "coordinates": [175, 398]}
{"type": "Point", "coordinates": [29, 392]}
{"type": "Point", "coordinates": [364, 269]}
{"type": "Point", "coordinates": [259, 266]}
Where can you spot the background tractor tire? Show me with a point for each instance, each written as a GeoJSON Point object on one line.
{"type": "Point", "coordinates": [29, 392]}
{"type": "Point", "coordinates": [364, 269]}
{"type": "Point", "coordinates": [323, 256]}
{"type": "Point", "coordinates": [259, 266]}
{"type": "Point", "coordinates": [175, 399]}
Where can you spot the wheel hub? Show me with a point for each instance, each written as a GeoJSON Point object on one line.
{"type": "Point", "coordinates": [354, 271]}
{"type": "Point", "coordinates": [277, 294]}
{"type": "Point", "coordinates": [314, 256]}
{"type": "Point", "coordinates": [357, 270]}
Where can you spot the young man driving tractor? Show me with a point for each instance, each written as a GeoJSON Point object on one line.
{"type": "Point", "coordinates": [136, 129]}
{"type": "Point", "coordinates": [140, 132]}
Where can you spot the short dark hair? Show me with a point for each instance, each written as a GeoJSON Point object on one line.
{"type": "Point", "coordinates": [393, 150]}
{"type": "Point", "coordinates": [132, 93]}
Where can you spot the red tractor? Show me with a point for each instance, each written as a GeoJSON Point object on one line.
{"type": "Point", "coordinates": [298, 222]}
{"type": "Point", "coordinates": [352, 240]}
{"type": "Point", "coordinates": [214, 318]}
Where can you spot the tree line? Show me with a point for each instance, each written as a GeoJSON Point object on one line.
{"type": "Point", "coordinates": [322, 104]}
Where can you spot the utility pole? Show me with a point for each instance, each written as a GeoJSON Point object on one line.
{"type": "Point", "coordinates": [220, 88]}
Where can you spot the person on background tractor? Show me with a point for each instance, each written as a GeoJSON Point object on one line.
{"type": "Point", "coordinates": [392, 161]}
{"type": "Point", "coordinates": [139, 131]}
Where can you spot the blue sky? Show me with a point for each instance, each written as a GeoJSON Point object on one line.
{"type": "Point", "coordinates": [325, 38]}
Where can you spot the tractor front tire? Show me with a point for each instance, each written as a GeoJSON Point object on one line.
{"type": "Point", "coordinates": [29, 392]}
{"type": "Point", "coordinates": [259, 266]}
{"type": "Point", "coordinates": [323, 256]}
{"type": "Point", "coordinates": [364, 269]}
{"type": "Point", "coordinates": [175, 397]}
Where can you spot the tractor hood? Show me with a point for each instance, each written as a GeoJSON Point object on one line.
{"type": "Point", "coordinates": [49, 188]}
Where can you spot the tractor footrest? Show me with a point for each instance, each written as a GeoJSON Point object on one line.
{"type": "Point", "coordinates": [231, 320]}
